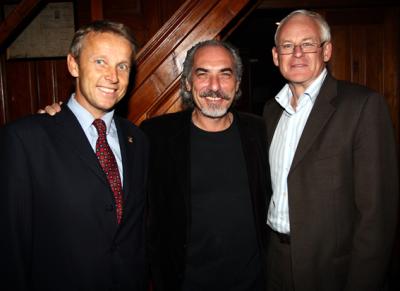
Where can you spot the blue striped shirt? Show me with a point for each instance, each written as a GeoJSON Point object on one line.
{"type": "Point", "coordinates": [283, 147]}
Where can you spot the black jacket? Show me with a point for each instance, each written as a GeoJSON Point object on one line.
{"type": "Point", "coordinates": [169, 189]}
{"type": "Point", "coordinates": [58, 224]}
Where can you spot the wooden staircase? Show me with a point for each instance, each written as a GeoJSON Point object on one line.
{"type": "Point", "coordinates": [159, 63]}
{"type": "Point", "coordinates": [18, 18]}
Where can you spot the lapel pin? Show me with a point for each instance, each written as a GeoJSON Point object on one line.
{"type": "Point", "coordinates": [130, 139]}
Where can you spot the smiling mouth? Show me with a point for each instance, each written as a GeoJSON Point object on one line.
{"type": "Point", "coordinates": [213, 98]}
{"type": "Point", "coordinates": [299, 65]}
{"type": "Point", "coordinates": [107, 90]}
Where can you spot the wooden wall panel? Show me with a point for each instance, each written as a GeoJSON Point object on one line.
{"type": "Point", "coordinates": [29, 84]}
{"type": "Point", "coordinates": [37, 83]}
{"type": "Point", "coordinates": [340, 62]}
{"type": "Point", "coordinates": [20, 96]}
{"type": "Point", "coordinates": [3, 109]}
{"type": "Point", "coordinates": [53, 82]}
{"type": "Point", "coordinates": [391, 65]}
{"type": "Point", "coordinates": [144, 17]}
{"type": "Point", "coordinates": [378, 68]}
{"type": "Point", "coordinates": [366, 45]}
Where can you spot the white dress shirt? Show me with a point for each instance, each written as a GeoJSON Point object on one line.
{"type": "Point", "coordinates": [86, 119]}
{"type": "Point", "coordinates": [283, 147]}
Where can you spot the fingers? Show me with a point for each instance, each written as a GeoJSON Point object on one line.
{"type": "Point", "coordinates": [56, 106]}
{"type": "Point", "coordinates": [52, 109]}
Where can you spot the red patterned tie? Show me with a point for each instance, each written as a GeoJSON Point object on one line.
{"type": "Point", "coordinates": [109, 165]}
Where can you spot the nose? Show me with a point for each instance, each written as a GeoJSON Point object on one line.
{"type": "Point", "coordinates": [297, 51]}
{"type": "Point", "coordinates": [112, 75]}
{"type": "Point", "coordinates": [214, 83]}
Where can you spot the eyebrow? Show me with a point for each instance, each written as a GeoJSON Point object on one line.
{"type": "Point", "coordinates": [303, 40]}
{"type": "Point", "coordinates": [223, 70]}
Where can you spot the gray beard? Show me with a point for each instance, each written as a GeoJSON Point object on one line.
{"type": "Point", "coordinates": [214, 111]}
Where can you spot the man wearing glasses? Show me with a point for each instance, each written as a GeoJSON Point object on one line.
{"type": "Point", "coordinates": [333, 212]}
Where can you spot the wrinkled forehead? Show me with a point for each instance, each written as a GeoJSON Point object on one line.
{"type": "Point", "coordinates": [213, 57]}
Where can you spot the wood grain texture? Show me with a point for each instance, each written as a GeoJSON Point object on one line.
{"type": "Point", "coordinates": [160, 62]}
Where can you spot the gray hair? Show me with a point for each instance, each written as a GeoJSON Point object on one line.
{"type": "Point", "coordinates": [101, 26]}
{"type": "Point", "coordinates": [325, 32]}
{"type": "Point", "coordinates": [187, 96]}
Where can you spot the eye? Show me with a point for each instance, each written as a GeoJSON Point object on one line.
{"type": "Point", "coordinates": [201, 75]}
{"type": "Point", "coordinates": [123, 67]}
{"type": "Point", "coordinates": [307, 45]}
{"type": "Point", "coordinates": [287, 46]}
{"type": "Point", "coordinates": [226, 75]}
{"type": "Point", "coordinates": [100, 61]}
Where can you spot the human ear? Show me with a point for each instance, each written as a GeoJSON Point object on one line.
{"type": "Point", "coordinates": [327, 51]}
{"type": "Point", "coordinates": [188, 86]}
{"type": "Point", "coordinates": [73, 66]}
{"type": "Point", "coordinates": [275, 56]}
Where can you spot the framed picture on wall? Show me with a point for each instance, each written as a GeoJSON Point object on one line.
{"type": "Point", "coordinates": [48, 35]}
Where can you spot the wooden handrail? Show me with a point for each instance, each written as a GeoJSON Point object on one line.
{"type": "Point", "coordinates": [17, 18]}
{"type": "Point", "coordinates": [159, 62]}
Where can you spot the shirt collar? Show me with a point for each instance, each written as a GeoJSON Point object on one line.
{"type": "Point", "coordinates": [84, 117]}
{"type": "Point", "coordinates": [285, 94]}
{"type": "Point", "coordinates": [313, 90]}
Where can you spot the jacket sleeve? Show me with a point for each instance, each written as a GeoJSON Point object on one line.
{"type": "Point", "coordinates": [15, 211]}
{"type": "Point", "coordinates": [376, 196]}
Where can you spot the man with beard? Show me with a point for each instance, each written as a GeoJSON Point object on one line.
{"type": "Point", "coordinates": [207, 192]}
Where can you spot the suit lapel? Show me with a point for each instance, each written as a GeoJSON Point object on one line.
{"type": "Point", "coordinates": [127, 146]}
{"type": "Point", "coordinates": [320, 114]}
{"type": "Point", "coordinates": [70, 133]}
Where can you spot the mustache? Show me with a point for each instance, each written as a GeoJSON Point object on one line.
{"type": "Point", "coordinates": [214, 94]}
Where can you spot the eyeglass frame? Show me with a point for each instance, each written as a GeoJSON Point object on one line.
{"type": "Point", "coordinates": [316, 45]}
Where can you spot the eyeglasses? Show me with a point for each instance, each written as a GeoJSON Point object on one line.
{"type": "Point", "coordinates": [306, 47]}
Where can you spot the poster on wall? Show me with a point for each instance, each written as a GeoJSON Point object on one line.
{"type": "Point", "coordinates": [48, 35]}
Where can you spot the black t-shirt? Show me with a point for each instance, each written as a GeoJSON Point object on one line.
{"type": "Point", "coordinates": [222, 252]}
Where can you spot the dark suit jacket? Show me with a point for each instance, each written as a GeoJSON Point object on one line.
{"type": "Point", "coordinates": [169, 189]}
{"type": "Point", "coordinates": [58, 222]}
{"type": "Point", "coordinates": [343, 190]}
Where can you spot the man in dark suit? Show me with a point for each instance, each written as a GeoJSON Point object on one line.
{"type": "Point", "coordinates": [333, 212]}
{"type": "Point", "coordinates": [73, 185]}
{"type": "Point", "coordinates": [207, 182]}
